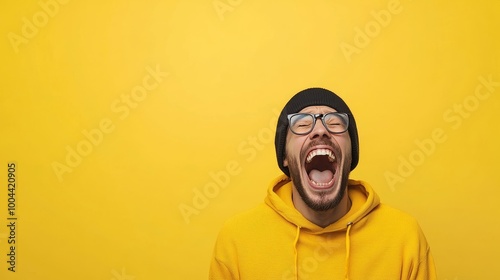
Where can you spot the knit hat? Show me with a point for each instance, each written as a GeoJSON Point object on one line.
{"type": "Point", "coordinates": [311, 97]}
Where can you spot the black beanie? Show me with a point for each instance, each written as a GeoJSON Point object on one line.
{"type": "Point", "coordinates": [311, 97]}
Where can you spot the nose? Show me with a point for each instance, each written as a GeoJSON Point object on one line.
{"type": "Point", "coordinates": [319, 130]}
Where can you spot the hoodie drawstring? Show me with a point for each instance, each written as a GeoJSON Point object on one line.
{"type": "Point", "coordinates": [296, 272]}
{"type": "Point", "coordinates": [348, 249]}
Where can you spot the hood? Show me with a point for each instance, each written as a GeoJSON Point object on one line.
{"type": "Point", "coordinates": [279, 198]}
{"type": "Point", "coordinates": [363, 198]}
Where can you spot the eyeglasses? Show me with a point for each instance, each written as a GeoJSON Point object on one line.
{"type": "Point", "coordinates": [302, 123]}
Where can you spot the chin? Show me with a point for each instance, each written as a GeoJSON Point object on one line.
{"type": "Point", "coordinates": [323, 199]}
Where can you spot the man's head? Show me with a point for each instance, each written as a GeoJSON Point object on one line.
{"type": "Point", "coordinates": [317, 146]}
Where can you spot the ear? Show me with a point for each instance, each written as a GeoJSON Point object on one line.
{"type": "Point", "coordinates": [285, 162]}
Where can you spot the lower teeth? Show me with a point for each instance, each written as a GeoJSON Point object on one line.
{"type": "Point", "coordinates": [322, 184]}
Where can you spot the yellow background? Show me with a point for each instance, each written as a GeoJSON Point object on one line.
{"type": "Point", "coordinates": [205, 126]}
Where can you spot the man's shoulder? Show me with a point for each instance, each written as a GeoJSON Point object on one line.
{"type": "Point", "coordinates": [249, 217]}
{"type": "Point", "coordinates": [387, 212]}
{"type": "Point", "coordinates": [394, 221]}
{"type": "Point", "coordinates": [391, 210]}
{"type": "Point", "coordinates": [256, 219]}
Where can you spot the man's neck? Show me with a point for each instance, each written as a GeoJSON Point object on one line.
{"type": "Point", "coordinates": [322, 218]}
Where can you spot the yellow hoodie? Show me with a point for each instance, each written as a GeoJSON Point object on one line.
{"type": "Point", "coordinates": [274, 241]}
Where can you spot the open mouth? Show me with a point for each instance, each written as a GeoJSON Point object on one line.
{"type": "Point", "coordinates": [320, 166]}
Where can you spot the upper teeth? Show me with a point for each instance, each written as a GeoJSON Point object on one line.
{"type": "Point", "coordinates": [320, 152]}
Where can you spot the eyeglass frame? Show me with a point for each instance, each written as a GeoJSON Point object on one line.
{"type": "Point", "coordinates": [343, 116]}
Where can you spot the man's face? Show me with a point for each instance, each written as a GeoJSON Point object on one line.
{"type": "Point", "coordinates": [319, 163]}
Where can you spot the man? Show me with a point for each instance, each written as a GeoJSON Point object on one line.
{"type": "Point", "coordinates": [315, 222]}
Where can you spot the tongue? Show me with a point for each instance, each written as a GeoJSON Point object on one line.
{"type": "Point", "coordinates": [321, 176]}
